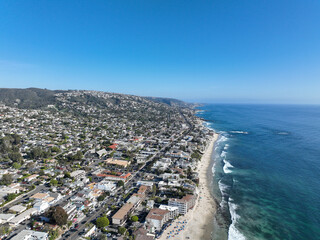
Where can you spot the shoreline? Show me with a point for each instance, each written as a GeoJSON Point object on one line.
{"type": "Point", "coordinates": [199, 219]}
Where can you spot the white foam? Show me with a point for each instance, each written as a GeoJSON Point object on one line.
{"type": "Point", "coordinates": [234, 233]}
{"type": "Point", "coordinates": [223, 154]}
{"type": "Point", "coordinates": [227, 167]}
{"type": "Point", "coordinates": [223, 188]}
{"type": "Point", "coordinates": [239, 132]}
{"type": "Point", "coordinates": [223, 139]}
{"type": "Point", "coordinates": [226, 146]}
{"type": "Point", "coordinates": [214, 168]}
{"type": "Point", "coordinates": [283, 133]}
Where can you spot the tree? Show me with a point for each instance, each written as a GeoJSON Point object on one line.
{"type": "Point", "coordinates": [120, 184]}
{"type": "Point", "coordinates": [10, 197]}
{"type": "Point", "coordinates": [102, 222]}
{"type": "Point", "coordinates": [16, 165]}
{"type": "Point", "coordinates": [15, 157]}
{"type": "Point", "coordinates": [102, 197]}
{"type": "Point", "coordinates": [67, 175]}
{"type": "Point", "coordinates": [122, 230]}
{"type": "Point", "coordinates": [36, 153]}
{"type": "Point", "coordinates": [4, 230]}
{"type": "Point", "coordinates": [54, 182]}
{"type": "Point", "coordinates": [58, 215]}
{"type": "Point", "coordinates": [134, 219]}
{"type": "Point", "coordinates": [53, 234]}
{"type": "Point", "coordinates": [55, 149]}
{"type": "Point", "coordinates": [102, 237]}
{"type": "Point", "coordinates": [6, 179]}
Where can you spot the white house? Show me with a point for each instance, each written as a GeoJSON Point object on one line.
{"type": "Point", "coordinates": [41, 206]}
{"type": "Point", "coordinates": [106, 186]}
{"type": "Point", "coordinates": [30, 235]}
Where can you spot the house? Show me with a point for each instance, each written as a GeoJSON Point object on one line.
{"type": "Point", "coordinates": [23, 216]}
{"type": "Point", "coordinates": [17, 209]}
{"type": "Point", "coordinates": [101, 152]}
{"type": "Point", "coordinates": [8, 190]}
{"type": "Point", "coordinates": [157, 217]}
{"type": "Point", "coordinates": [5, 217]}
{"type": "Point", "coordinates": [31, 177]}
{"type": "Point", "coordinates": [120, 163]}
{"type": "Point", "coordinates": [30, 235]}
{"type": "Point", "coordinates": [184, 204]}
{"type": "Point", "coordinates": [41, 206]}
{"type": "Point", "coordinates": [39, 196]}
{"type": "Point", "coordinates": [106, 186]}
{"type": "Point", "coordinates": [78, 174]}
{"type": "Point", "coordinates": [145, 183]}
{"type": "Point", "coordinates": [120, 217]}
{"type": "Point", "coordinates": [142, 234]}
{"type": "Point", "coordinates": [113, 146]}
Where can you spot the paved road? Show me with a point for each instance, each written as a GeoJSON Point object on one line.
{"type": "Point", "coordinates": [20, 198]}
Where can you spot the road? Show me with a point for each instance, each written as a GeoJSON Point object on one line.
{"type": "Point", "coordinates": [20, 198]}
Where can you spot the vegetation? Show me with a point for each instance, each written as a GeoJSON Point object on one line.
{"type": "Point", "coordinates": [122, 230]}
{"type": "Point", "coordinates": [102, 222]}
{"type": "Point", "coordinates": [134, 219]}
{"type": "Point", "coordinates": [6, 179]}
{"type": "Point", "coordinates": [57, 215]}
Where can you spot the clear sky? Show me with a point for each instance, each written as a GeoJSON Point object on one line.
{"type": "Point", "coordinates": [259, 51]}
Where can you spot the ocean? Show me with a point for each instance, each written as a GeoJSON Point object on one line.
{"type": "Point", "coordinates": [266, 171]}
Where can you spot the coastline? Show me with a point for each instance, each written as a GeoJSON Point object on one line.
{"type": "Point", "coordinates": [199, 219]}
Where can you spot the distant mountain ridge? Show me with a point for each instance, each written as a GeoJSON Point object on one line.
{"type": "Point", "coordinates": [39, 98]}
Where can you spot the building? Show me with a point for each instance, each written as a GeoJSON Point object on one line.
{"type": "Point", "coordinates": [120, 163]}
{"type": "Point", "coordinates": [157, 217]}
{"type": "Point", "coordinates": [17, 208]}
{"type": "Point", "coordinates": [106, 186]}
{"type": "Point", "coordinates": [184, 204]}
{"type": "Point", "coordinates": [173, 211]}
{"type": "Point", "coordinates": [120, 217]}
{"type": "Point", "coordinates": [23, 216]}
{"type": "Point", "coordinates": [143, 190]}
{"type": "Point", "coordinates": [30, 235]}
{"type": "Point", "coordinates": [117, 177]}
{"type": "Point", "coordinates": [41, 206]}
{"type": "Point", "coordinates": [5, 218]}
{"type": "Point", "coordinates": [142, 234]}
{"type": "Point", "coordinates": [31, 178]}
{"type": "Point", "coordinates": [78, 174]}
{"type": "Point", "coordinates": [145, 183]}
{"type": "Point", "coordinates": [39, 196]}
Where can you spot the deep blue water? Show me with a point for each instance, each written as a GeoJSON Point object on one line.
{"type": "Point", "coordinates": [267, 169]}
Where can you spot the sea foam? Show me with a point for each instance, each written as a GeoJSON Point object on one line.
{"type": "Point", "coordinates": [234, 233]}
{"type": "Point", "coordinates": [239, 132]}
{"type": "Point", "coordinates": [223, 189]}
{"type": "Point", "coordinates": [227, 167]}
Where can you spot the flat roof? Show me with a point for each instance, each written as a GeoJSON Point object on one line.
{"type": "Point", "coordinates": [123, 211]}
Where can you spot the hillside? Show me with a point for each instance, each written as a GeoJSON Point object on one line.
{"type": "Point", "coordinates": [39, 98]}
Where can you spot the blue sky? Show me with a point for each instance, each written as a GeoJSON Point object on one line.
{"type": "Point", "coordinates": [257, 51]}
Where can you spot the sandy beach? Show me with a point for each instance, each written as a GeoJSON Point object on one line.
{"type": "Point", "coordinates": [196, 224]}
